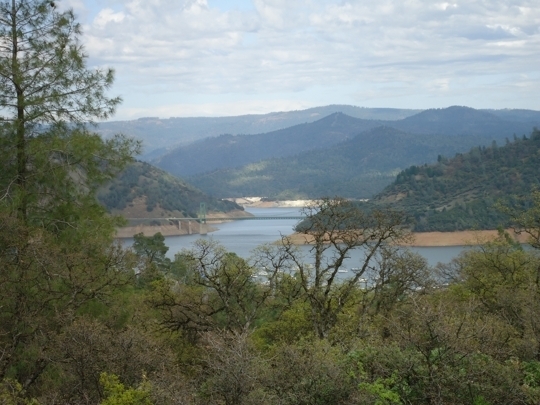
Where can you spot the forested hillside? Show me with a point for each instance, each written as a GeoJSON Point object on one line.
{"type": "Point", "coordinates": [462, 192]}
{"type": "Point", "coordinates": [356, 168]}
{"type": "Point", "coordinates": [230, 151]}
{"type": "Point", "coordinates": [159, 193]}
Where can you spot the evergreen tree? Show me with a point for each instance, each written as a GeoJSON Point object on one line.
{"type": "Point", "coordinates": [51, 163]}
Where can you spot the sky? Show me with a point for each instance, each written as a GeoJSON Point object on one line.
{"type": "Point", "coordinates": [181, 58]}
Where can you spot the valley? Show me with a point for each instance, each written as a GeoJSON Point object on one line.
{"type": "Point", "coordinates": [446, 168]}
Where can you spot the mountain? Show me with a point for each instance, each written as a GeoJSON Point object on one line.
{"type": "Point", "coordinates": [144, 191]}
{"type": "Point", "coordinates": [457, 120]}
{"type": "Point", "coordinates": [228, 151]}
{"type": "Point", "coordinates": [463, 192]}
{"type": "Point", "coordinates": [527, 116]}
{"type": "Point", "coordinates": [356, 168]}
{"type": "Point", "coordinates": [159, 135]}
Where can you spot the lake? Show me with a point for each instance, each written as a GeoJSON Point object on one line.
{"type": "Point", "coordinates": [241, 237]}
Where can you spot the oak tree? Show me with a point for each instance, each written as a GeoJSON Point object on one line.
{"type": "Point", "coordinates": [335, 227]}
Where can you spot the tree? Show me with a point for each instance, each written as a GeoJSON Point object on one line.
{"type": "Point", "coordinates": [50, 162]}
{"type": "Point", "coordinates": [232, 369]}
{"type": "Point", "coordinates": [528, 221]}
{"type": "Point", "coordinates": [152, 251]}
{"type": "Point", "coordinates": [152, 248]}
{"type": "Point", "coordinates": [335, 227]}
{"type": "Point", "coordinates": [118, 394]}
{"type": "Point", "coordinates": [56, 254]}
{"type": "Point", "coordinates": [43, 285]}
{"type": "Point", "coordinates": [218, 292]}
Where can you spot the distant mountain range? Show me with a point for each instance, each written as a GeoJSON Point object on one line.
{"type": "Point", "coordinates": [228, 151]}
{"type": "Point", "coordinates": [159, 135]}
{"type": "Point", "coordinates": [337, 155]}
{"type": "Point", "coordinates": [356, 168]}
{"type": "Point", "coordinates": [455, 120]}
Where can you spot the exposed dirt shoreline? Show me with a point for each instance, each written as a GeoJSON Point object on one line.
{"type": "Point", "coordinates": [459, 238]}
{"type": "Point", "coordinates": [437, 239]}
{"type": "Point", "coordinates": [177, 228]}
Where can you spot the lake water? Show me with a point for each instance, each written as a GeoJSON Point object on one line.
{"type": "Point", "coordinates": [241, 237]}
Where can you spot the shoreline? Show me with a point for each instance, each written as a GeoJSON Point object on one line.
{"type": "Point", "coordinates": [178, 228]}
{"type": "Point", "coordinates": [460, 238]}
{"type": "Point", "coordinates": [128, 232]}
{"type": "Point", "coordinates": [419, 239]}
{"type": "Point", "coordinates": [438, 239]}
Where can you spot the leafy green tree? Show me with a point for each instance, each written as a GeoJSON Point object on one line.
{"type": "Point", "coordinates": [118, 394]}
{"type": "Point", "coordinates": [51, 164]}
{"type": "Point", "coordinates": [12, 393]}
{"type": "Point", "coordinates": [153, 248]}
{"type": "Point", "coordinates": [56, 250]}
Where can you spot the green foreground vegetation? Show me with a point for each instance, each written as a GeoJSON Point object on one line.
{"type": "Point", "coordinates": [85, 321]}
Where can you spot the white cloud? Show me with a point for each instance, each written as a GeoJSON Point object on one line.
{"type": "Point", "coordinates": [106, 16]}
{"type": "Point", "coordinates": [289, 48]}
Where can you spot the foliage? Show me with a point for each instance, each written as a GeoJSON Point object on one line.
{"type": "Point", "coordinates": [77, 326]}
{"type": "Point", "coordinates": [42, 285]}
{"type": "Point", "coordinates": [51, 163]}
{"type": "Point", "coordinates": [464, 192]}
{"type": "Point", "coordinates": [218, 292]}
{"type": "Point", "coordinates": [12, 393]}
{"type": "Point", "coordinates": [527, 221]}
{"type": "Point", "coordinates": [335, 227]}
{"type": "Point", "coordinates": [117, 394]}
{"type": "Point", "coordinates": [159, 190]}
{"type": "Point", "coordinates": [153, 248]}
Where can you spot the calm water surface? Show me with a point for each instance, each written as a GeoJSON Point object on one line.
{"type": "Point", "coordinates": [242, 237]}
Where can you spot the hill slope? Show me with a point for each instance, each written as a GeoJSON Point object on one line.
{"type": "Point", "coordinates": [228, 151]}
{"type": "Point", "coordinates": [356, 168]}
{"type": "Point", "coordinates": [458, 120]}
{"type": "Point", "coordinates": [461, 193]}
{"type": "Point", "coordinates": [144, 191]}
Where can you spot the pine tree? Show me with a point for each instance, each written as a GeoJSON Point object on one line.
{"type": "Point", "coordinates": [51, 163]}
